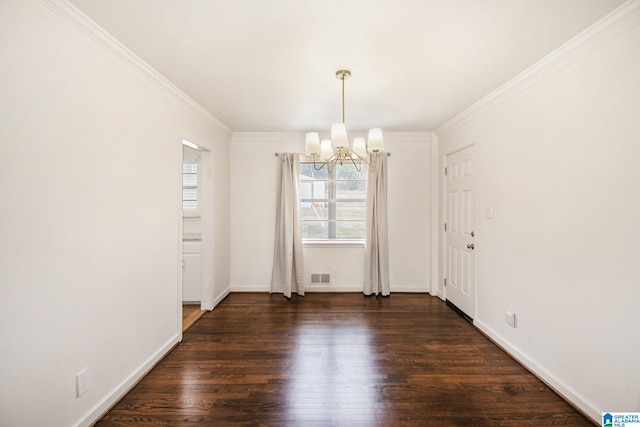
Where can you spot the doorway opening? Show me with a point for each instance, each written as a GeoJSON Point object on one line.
{"type": "Point", "coordinates": [196, 247]}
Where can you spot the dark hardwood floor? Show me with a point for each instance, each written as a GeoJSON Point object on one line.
{"type": "Point", "coordinates": [338, 360]}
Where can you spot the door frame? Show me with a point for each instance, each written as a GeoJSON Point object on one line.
{"type": "Point", "coordinates": [206, 212]}
{"type": "Point", "coordinates": [447, 150]}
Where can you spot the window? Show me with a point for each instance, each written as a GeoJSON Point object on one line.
{"type": "Point", "coordinates": [333, 204]}
{"type": "Point", "coordinates": [190, 187]}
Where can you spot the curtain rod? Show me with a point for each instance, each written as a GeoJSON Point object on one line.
{"type": "Point", "coordinates": [388, 154]}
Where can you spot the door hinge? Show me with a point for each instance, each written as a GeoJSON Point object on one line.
{"type": "Point", "coordinates": [445, 226]}
{"type": "Point", "coordinates": [445, 281]}
{"type": "Point", "coordinates": [445, 171]}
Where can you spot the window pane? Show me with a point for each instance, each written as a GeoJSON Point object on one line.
{"type": "Point", "coordinates": [189, 180]}
{"type": "Point", "coordinates": [307, 171]}
{"type": "Point", "coordinates": [314, 190]}
{"type": "Point", "coordinates": [351, 211]}
{"type": "Point", "coordinates": [188, 205]}
{"type": "Point", "coordinates": [351, 189]}
{"type": "Point", "coordinates": [315, 229]}
{"type": "Point", "coordinates": [314, 211]}
{"type": "Point", "coordinates": [189, 194]}
{"type": "Point", "coordinates": [189, 168]}
{"type": "Point", "coordinates": [350, 229]}
{"type": "Point", "coordinates": [348, 171]}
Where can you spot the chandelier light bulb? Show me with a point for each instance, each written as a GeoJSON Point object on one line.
{"type": "Point", "coordinates": [325, 150]}
{"type": "Point", "coordinates": [339, 136]}
{"type": "Point", "coordinates": [312, 145]}
{"type": "Point", "coordinates": [359, 147]}
{"type": "Point", "coordinates": [375, 140]}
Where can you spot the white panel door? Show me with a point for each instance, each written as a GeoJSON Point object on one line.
{"type": "Point", "coordinates": [460, 182]}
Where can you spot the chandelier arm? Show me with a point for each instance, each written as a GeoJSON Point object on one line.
{"type": "Point", "coordinates": [356, 165]}
{"type": "Point", "coordinates": [314, 164]}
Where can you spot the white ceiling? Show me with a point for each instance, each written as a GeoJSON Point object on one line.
{"type": "Point", "coordinates": [269, 65]}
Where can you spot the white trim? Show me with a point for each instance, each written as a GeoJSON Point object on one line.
{"type": "Point", "coordinates": [123, 388]}
{"type": "Point", "coordinates": [250, 288]}
{"type": "Point", "coordinates": [95, 37]}
{"type": "Point", "coordinates": [333, 243]}
{"type": "Point", "coordinates": [616, 22]}
{"type": "Point", "coordinates": [434, 229]}
{"type": "Point", "coordinates": [191, 145]}
{"type": "Point", "coordinates": [419, 289]}
{"type": "Point", "coordinates": [528, 362]}
{"type": "Point", "coordinates": [220, 297]}
{"type": "Point", "coordinates": [207, 207]}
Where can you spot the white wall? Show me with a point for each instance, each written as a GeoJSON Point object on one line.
{"type": "Point", "coordinates": [90, 160]}
{"type": "Point", "coordinates": [558, 161]}
{"type": "Point", "coordinates": [254, 177]}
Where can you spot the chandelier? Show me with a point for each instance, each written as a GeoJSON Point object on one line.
{"type": "Point", "coordinates": [336, 150]}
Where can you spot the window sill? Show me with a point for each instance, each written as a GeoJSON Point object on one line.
{"type": "Point", "coordinates": [333, 243]}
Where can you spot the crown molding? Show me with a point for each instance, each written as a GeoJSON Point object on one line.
{"type": "Point", "coordinates": [69, 18]}
{"type": "Point", "coordinates": [618, 21]}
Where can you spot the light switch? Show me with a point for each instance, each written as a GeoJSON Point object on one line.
{"type": "Point", "coordinates": [488, 212]}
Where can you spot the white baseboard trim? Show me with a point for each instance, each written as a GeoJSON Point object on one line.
{"type": "Point", "coordinates": [333, 288]}
{"type": "Point", "coordinates": [220, 297]}
{"type": "Point", "coordinates": [424, 289]}
{"type": "Point", "coordinates": [532, 365]}
{"type": "Point", "coordinates": [123, 388]}
{"type": "Point", "coordinates": [249, 288]}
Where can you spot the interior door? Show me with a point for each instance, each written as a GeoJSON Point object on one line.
{"type": "Point", "coordinates": [460, 182]}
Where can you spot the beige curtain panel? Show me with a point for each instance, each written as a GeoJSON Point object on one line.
{"type": "Point", "coordinates": [288, 266]}
{"type": "Point", "coordinates": [376, 262]}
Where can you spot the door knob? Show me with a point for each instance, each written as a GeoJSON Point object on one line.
{"type": "Point", "coordinates": [470, 246]}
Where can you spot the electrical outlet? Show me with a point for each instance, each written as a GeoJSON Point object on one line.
{"type": "Point", "coordinates": [510, 318]}
{"type": "Point", "coordinates": [82, 382]}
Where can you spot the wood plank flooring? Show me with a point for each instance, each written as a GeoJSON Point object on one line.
{"type": "Point", "coordinates": [191, 313]}
{"type": "Point", "coordinates": [338, 360]}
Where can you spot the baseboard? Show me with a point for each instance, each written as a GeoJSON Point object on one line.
{"type": "Point", "coordinates": [250, 288]}
{"type": "Point", "coordinates": [118, 393]}
{"type": "Point", "coordinates": [424, 289]}
{"type": "Point", "coordinates": [565, 391]}
{"type": "Point", "coordinates": [221, 297]}
{"type": "Point", "coordinates": [334, 288]}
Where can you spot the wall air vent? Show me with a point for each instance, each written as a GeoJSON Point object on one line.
{"type": "Point", "coordinates": [320, 279]}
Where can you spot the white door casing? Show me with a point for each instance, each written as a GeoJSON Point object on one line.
{"type": "Point", "coordinates": [460, 223]}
